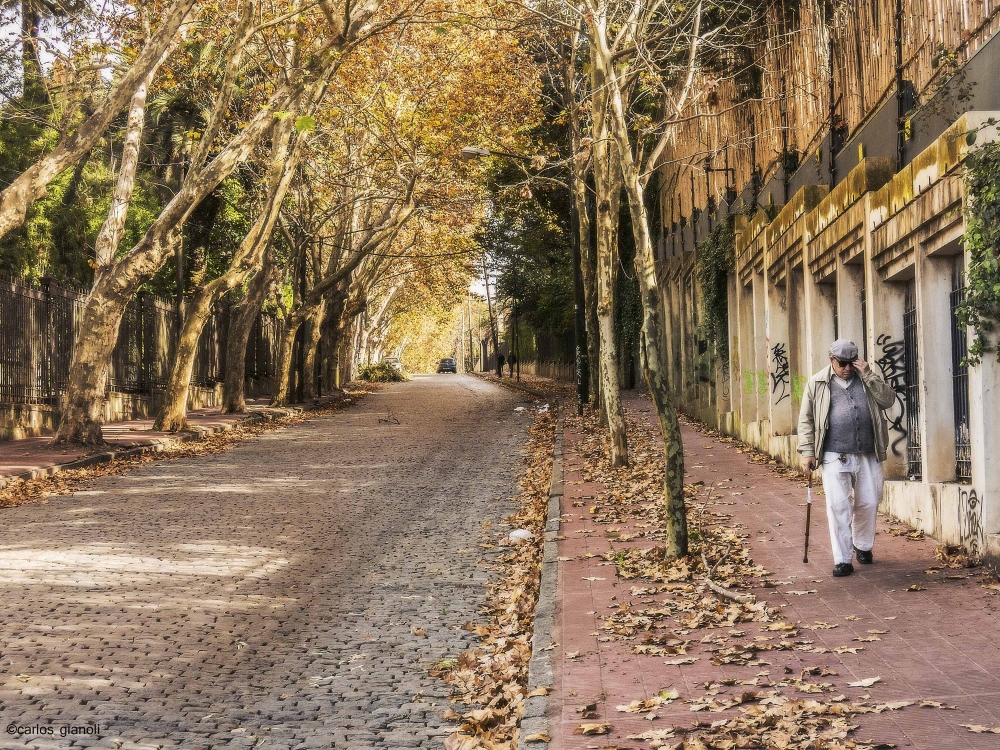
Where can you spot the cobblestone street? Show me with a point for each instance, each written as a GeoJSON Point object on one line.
{"type": "Point", "coordinates": [290, 593]}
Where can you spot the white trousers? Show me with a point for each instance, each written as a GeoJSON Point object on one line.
{"type": "Point", "coordinates": [853, 490]}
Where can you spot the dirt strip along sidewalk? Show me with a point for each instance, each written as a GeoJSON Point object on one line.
{"type": "Point", "coordinates": [34, 456]}
{"type": "Point", "coordinates": [942, 643]}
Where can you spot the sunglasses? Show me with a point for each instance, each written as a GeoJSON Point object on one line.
{"type": "Point", "coordinates": [844, 362]}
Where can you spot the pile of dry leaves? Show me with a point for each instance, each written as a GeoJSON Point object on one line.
{"type": "Point", "coordinates": [493, 677]}
{"type": "Point", "coordinates": [67, 481]}
{"type": "Point", "coordinates": [700, 607]}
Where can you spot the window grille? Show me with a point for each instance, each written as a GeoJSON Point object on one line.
{"type": "Point", "coordinates": [911, 375]}
{"type": "Point", "coordinates": [864, 318]}
{"type": "Point", "coordinates": [960, 380]}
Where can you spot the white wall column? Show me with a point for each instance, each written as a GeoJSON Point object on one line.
{"type": "Point", "coordinates": [937, 408]}
{"type": "Point", "coordinates": [779, 385]}
{"type": "Point", "coordinates": [820, 307]}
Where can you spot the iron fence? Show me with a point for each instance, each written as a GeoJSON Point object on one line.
{"type": "Point", "coordinates": [960, 381]}
{"type": "Point", "coordinates": [39, 322]}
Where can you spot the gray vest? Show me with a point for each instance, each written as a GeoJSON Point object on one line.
{"type": "Point", "coordinates": [850, 428]}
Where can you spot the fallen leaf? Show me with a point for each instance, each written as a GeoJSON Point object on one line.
{"type": "Point", "coordinates": [915, 587]}
{"type": "Point", "coordinates": [538, 691]}
{"type": "Point", "coordinates": [687, 660]}
{"type": "Point", "coordinates": [639, 706]}
{"type": "Point", "coordinates": [419, 632]}
{"type": "Point", "coordinates": [936, 704]}
{"type": "Point", "coordinates": [592, 578]}
{"type": "Point", "coordinates": [587, 729]}
{"type": "Point", "coordinates": [460, 742]}
{"type": "Point", "coordinates": [538, 737]}
{"type": "Point", "coordinates": [867, 682]}
{"type": "Point", "coordinates": [572, 654]}
{"type": "Point", "coordinates": [980, 729]}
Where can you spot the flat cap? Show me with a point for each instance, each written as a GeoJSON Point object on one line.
{"type": "Point", "coordinates": [844, 350]}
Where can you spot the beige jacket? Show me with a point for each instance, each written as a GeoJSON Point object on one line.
{"type": "Point", "coordinates": [814, 416]}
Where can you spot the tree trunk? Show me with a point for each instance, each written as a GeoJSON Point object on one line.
{"type": "Point", "coordinates": [311, 342]}
{"type": "Point", "coordinates": [83, 409]}
{"type": "Point", "coordinates": [173, 412]}
{"type": "Point", "coordinates": [589, 267]}
{"type": "Point", "coordinates": [610, 391]}
{"type": "Point", "coordinates": [653, 324]}
{"type": "Point", "coordinates": [332, 339]}
{"type": "Point", "coordinates": [607, 186]}
{"type": "Point", "coordinates": [284, 365]}
{"type": "Point", "coordinates": [578, 188]}
{"type": "Point", "coordinates": [241, 321]}
{"type": "Point", "coordinates": [654, 337]}
{"type": "Point", "coordinates": [32, 85]}
{"type": "Point", "coordinates": [111, 232]}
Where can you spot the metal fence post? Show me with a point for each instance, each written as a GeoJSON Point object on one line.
{"type": "Point", "coordinates": [47, 338]}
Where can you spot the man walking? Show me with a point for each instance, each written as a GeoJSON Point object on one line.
{"type": "Point", "coordinates": [841, 423]}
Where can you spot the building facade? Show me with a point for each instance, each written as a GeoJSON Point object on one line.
{"type": "Point", "coordinates": [870, 250]}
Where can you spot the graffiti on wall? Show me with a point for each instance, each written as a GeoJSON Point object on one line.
{"type": "Point", "coordinates": [891, 365]}
{"type": "Point", "coordinates": [755, 382]}
{"type": "Point", "coordinates": [724, 365]}
{"type": "Point", "coordinates": [970, 520]}
{"type": "Point", "coordinates": [799, 383]}
{"type": "Point", "coordinates": [779, 372]}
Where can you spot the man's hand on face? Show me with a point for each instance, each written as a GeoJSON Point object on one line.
{"type": "Point", "coordinates": [861, 366]}
{"type": "Point", "coordinates": [809, 463]}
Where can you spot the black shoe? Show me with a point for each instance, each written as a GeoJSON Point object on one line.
{"type": "Point", "coordinates": [842, 569]}
{"type": "Point", "coordinates": [864, 556]}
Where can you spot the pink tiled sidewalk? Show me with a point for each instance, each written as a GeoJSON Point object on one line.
{"type": "Point", "coordinates": [34, 456]}
{"type": "Point", "coordinates": [943, 642]}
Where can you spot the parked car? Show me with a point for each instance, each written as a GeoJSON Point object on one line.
{"type": "Point", "coordinates": [448, 365]}
{"type": "Point", "coordinates": [395, 362]}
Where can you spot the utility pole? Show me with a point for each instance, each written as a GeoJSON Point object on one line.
{"type": "Point", "coordinates": [472, 352]}
{"type": "Point", "coordinates": [460, 349]}
{"type": "Point", "coordinates": [493, 323]}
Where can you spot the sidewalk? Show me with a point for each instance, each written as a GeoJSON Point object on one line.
{"type": "Point", "coordinates": [34, 457]}
{"type": "Point", "coordinates": [928, 636]}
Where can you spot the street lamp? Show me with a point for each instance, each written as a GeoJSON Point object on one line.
{"type": "Point", "coordinates": [539, 163]}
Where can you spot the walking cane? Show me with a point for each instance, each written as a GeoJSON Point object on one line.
{"type": "Point", "coordinates": [809, 507]}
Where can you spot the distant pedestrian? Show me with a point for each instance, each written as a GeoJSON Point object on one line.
{"type": "Point", "coordinates": [841, 423]}
{"type": "Point", "coordinates": [511, 361]}
{"type": "Point", "coordinates": [500, 363]}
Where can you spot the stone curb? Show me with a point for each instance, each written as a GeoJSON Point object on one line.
{"type": "Point", "coordinates": [195, 433]}
{"type": "Point", "coordinates": [534, 717]}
